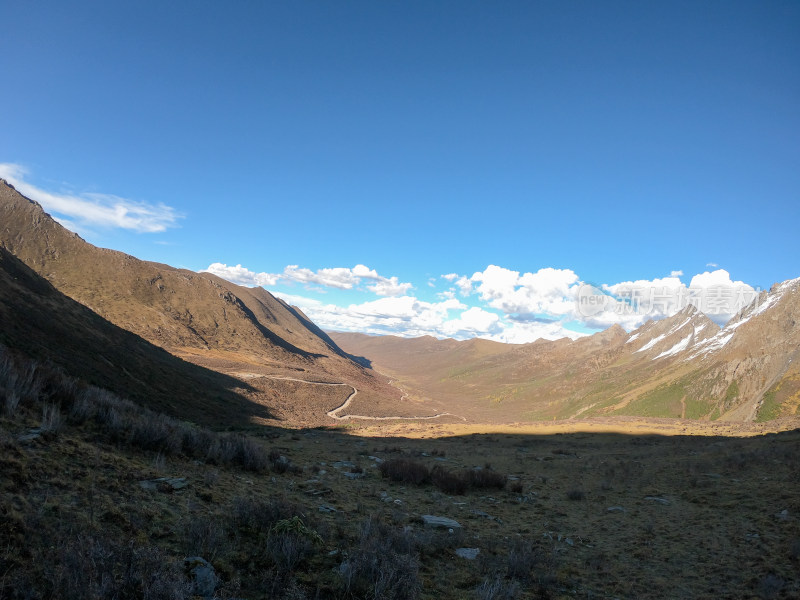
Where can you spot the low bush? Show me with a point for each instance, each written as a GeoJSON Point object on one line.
{"type": "Point", "coordinates": [449, 482]}
{"type": "Point", "coordinates": [404, 470]}
{"type": "Point", "coordinates": [384, 565]}
{"type": "Point", "coordinates": [486, 479]}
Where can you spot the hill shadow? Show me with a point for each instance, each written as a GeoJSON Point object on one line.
{"type": "Point", "coordinates": [46, 325]}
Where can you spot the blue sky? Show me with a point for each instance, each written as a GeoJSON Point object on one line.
{"type": "Point", "coordinates": [354, 153]}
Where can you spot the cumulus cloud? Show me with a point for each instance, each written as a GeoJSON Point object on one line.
{"type": "Point", "coordinates": [525, 333]}
{"type": "Point", "coordinates": [547, 292]}
{"type": "Point", "coordinates": [76, 211]}
{"type": "Point", "coordinates": [512, 307]}
{"type": "Point", "coordinates": [631, 303]}
{"type": "Point", "coordinates": [342, 278]}
{"type": "Point", "coordinates": [473, 321]}
{"type": "Point", "coordinates": [241, 275]}
{"type": "Point", "coordinates": [404, 315]}
{"type": "Point", "coordinates": [389, 287]}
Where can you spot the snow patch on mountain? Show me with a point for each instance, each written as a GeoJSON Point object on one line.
{"type": "Point", "coordinates": [679, 347]}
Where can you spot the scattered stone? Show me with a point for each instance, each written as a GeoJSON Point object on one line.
{"type": "Point", "coordinates": [485, 515]}
{"type": "Point", "coordinates": [164, 484]}
{"type": "Point", "coordinates": [326, 508]}
{"type": "Point", "coordinates": [397, 501]}
{"type": "Point", "coordinates": [440, 459]}
{"type": "Point", "coordinates": [615, 509]}
{"type": "Point", "coordinates": [569, 542]}
{"type": "Point", "coordinates": [468, 553]}
{"type": "Point", "coordinates": [440, 522]}
{"type": "Point", "coordinates": [322, 472]}
{"type": "Point", "coordinates": [33, 434]}
{"type": "Point", "coordinates": [783, 515]}
{"type": "Point", "coordinates": [376, 459]}
{"type": "Point", "coordinates": [319, 492]}
{"type": "Point", "coordinates": [354, 475]}
{"type": "Point", "coordinates": [663, 501]}
{"type": "Point", "coordinates": [343, 464]}
{"type": "Point", "coordinates": [205, 579]}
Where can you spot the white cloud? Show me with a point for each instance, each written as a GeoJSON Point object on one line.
{"type": "Point", "coordinates": [712, 265]}
{"type": "Point", "coordinates": [76, 211]}
{"type": "Point", "coordinates": [631, 303]}
{"type": "Point", "coordinates": [546, 292]}
{"type": "Point", "coordinates": [675, 273]}
{"type": "Point", "coordinates": [389, 287]}
{"type": "Point", "coordinates": [338, 277]}
{"type": "Point", "coordinates": [473, 321]}
{"type": "Point", "coordinates": [404, 315]}
{"type": "Point", "coordinates": [241, 275]}
{"type": "Point", "coordinates": [525, 333]}
{"type": "Point", "coordinates": [512, 307]}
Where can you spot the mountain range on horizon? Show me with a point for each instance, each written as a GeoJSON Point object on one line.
{"type": "Point", "coordinates": [684, 366]}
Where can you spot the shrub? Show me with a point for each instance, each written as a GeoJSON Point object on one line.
{"type": "Point", "coordinates": [575, 495]}
{"type": "Point", "coordinates": [522, 558]}
{"type": "Point", "coordinates": [51, 418]}
{"type": "Point", "coordinates": [92, 566]}
{"type": "Point", "coordinates": [486, 478]}
{"type": "Point", "coordinates": [259, 516]}
{"type": "Point", "coordinates": [383, 565]}
{"type": "Point", "coordinates": [203, 536]}
{"type": "Point", "coordinates": [494, 588]}
{"type": "Point", "coordinates": [405, 471]}
{"type": "Point", "coordinates": [449, 482]}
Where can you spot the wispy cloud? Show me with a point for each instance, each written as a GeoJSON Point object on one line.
{"type": "Point", "coordinates": [343, 278]}
{"type": "Point", "coordinates": [87, 210]}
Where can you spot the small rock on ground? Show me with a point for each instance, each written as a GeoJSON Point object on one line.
{"type": "Point", "coordinates": [443, 522]}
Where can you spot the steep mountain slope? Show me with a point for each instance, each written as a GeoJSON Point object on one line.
{"type": "Point", "coordinates": [753, 360]}
{"type": "Point", "coordinates": [683, 366]}
{"type": "Point", "coordinates": [177, 309]}
{"type": "Point", "coordinates": [43, 323]}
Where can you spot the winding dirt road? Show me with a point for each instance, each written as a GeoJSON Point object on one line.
{"type": "Point", "coordinates": [333, 414]}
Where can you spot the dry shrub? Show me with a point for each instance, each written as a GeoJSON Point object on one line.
{"type": "Point", "coordinates": [383, 566]}
{"type": "Point", "coordinates": [449, 482]}
{"type": "Point", "coordinates": [95, 567]}
{"type": "Point", "coordinates": [257, 517]}
{"type": "Point", "coordinates": [405, 470]}
{"type": "Point", "coordinates": [486, 479]}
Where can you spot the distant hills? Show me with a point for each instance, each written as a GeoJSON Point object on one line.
{"type": "Point", "coordinates": [683, 366]}
{"type": "Point", "coordinates": [195, 345]}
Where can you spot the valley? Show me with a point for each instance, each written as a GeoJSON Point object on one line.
{"type": "Point", "coordinates": [166, 434]}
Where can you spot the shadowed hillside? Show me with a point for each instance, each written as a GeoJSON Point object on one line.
{"type": "Point", "coordinates": [40, 321]}
{"type": "Point", "coordinates": [196, 316]}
